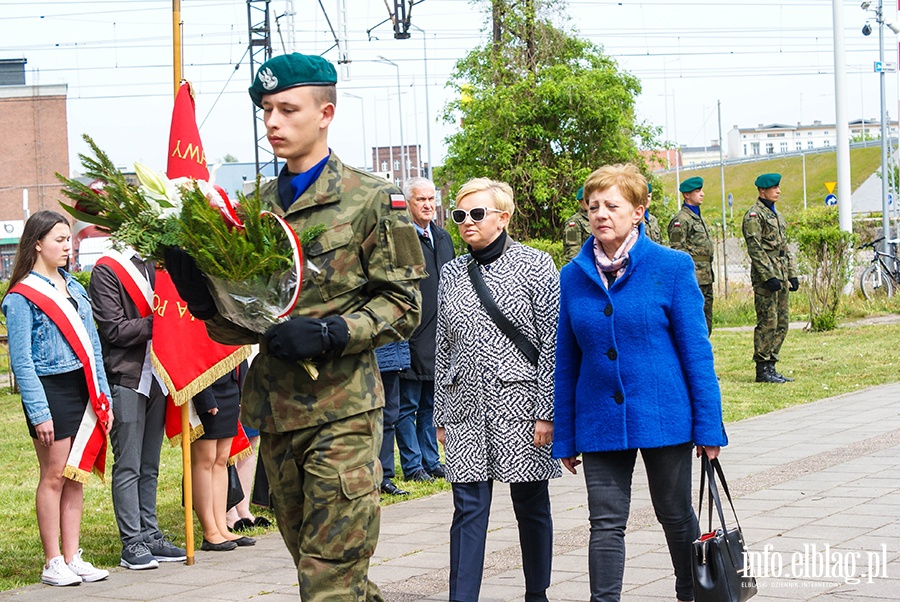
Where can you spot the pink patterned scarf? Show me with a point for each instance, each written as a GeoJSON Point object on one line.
{"type": "Point", "coordinates": [617, 264]}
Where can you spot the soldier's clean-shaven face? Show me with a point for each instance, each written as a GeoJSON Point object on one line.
{"type": "Point", "coordinates": [296, 126]}
{"type": "Point", "coordinates": [694, 197]}
{"type": "Point", "coordinates": [770, 194]}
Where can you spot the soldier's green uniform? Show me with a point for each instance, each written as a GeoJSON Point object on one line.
{"type": "Point", "coordinates": [688, 233]}
{"type": "Point", "coordinates": [651, 227]}
{"type": "Point", "coordinates": [575, 233]}
{"type": "Point", "coordinates": [319, 439]}
{"type": "Point", "coordinates": [771, 267]}
{"type": "Point", "coordinates": [577, 229]}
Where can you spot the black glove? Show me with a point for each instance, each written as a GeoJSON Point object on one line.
{"type": "Point", "coordinates": [794, 283]}
{"type": "Point", "coordinates": [190, 283]}
{"type": "Point", "coordinates": [302, 338]}
{"type": "Point", "coordinates": [773, 284]}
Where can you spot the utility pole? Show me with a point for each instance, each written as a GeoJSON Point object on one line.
{"type": "Point", "coordinates": [724, 214]}
{"type": "Point", "coordinates": [260, 50]}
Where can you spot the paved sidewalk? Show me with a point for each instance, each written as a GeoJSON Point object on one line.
{"type": "Point", "coordinates": [818, 481]}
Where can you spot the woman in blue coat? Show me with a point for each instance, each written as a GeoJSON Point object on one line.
{"type": "Point", "coordinates": [634, 371]}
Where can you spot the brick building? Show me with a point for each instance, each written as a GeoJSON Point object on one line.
{"type": "Point", "coordinates": [388, 159]}
{"type": "Point", "coordinates": [33, 147]}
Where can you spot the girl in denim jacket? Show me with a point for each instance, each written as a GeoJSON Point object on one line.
{"type": "Point", "coordinates": [54, 390]}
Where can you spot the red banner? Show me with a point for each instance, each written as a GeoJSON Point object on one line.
{"type": "Point", "coordinates": [186, 156]}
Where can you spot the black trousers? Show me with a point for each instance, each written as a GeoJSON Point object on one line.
{"type": "Point", "coordinates": [468, 532]}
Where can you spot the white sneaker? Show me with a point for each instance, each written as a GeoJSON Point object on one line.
{"type": "Point", "coordinates": [57, 573]}
{"type": "Point", "coordinates": [84, 569]}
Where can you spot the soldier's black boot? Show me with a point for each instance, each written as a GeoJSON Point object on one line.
{"type": "Point", "coordinates": [765, 373]}
{"type": "Point", "coordinates": [786, 379]}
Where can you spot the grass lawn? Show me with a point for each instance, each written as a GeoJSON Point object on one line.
{"type": "Point", "coordinates": [824, 364]}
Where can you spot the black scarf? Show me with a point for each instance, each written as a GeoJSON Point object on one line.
{"type": "Point", "coordinates": [491, 252]}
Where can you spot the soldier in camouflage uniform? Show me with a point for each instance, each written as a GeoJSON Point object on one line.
{"type": "Point", "coordinates": [772, 271]}
{"type": "Point", "coordinates": [651, 224]}
{"type": "Point", "coordinates": [320, 439]}
{"type": "Point", "coordinates": [688, 233]}
{"type": "Point", "coordinates": [577, 229]}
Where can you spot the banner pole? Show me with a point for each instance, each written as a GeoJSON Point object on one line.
{"type": "Point", "coordinates": [187, 483]}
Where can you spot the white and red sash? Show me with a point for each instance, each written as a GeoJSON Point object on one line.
{"type": "Point", "coordinates": [135, 284]}
{"type": "Point", "coordinates": [89, 446]}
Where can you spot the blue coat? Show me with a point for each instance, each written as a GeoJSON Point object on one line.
{"type": "Point", "coordinates": [634, 366]}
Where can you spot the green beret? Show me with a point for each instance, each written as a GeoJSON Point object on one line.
{"type": "Point", "coordinates": [289, 71]}
{"type": "Point", "coordinates": [767, 180]}
{"type": "Point", "coordinates": [691, 184]}
{"type": "Point", "coordinates": [580, 194]}
{"type": "Point", "coordinates": [649, 188]}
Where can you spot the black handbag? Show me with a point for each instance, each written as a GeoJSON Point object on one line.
{"type": "Point", "coordinates": [718, 558]}
{"type": "Point", "coordinates": [235, 490]}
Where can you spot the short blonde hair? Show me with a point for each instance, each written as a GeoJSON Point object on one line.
{"type": "Point", "coordinates": [501, 193]}
{"type": "Point", "coordinates": [631, 182]}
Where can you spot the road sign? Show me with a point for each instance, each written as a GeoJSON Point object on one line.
{"type": "Point", "coordinates": [885, 67]}
{"type": "Point", "coordinates": [890, 198]}
{"type": "Point", "coordinates": [730, 199]}
{"type": "Point", "coordinates": [831, 200]}
{"type": "Point", "coordinates": [829, 186]}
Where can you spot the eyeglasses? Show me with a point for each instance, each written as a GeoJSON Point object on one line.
{"type": "Point", "coordinates": [476, 213]}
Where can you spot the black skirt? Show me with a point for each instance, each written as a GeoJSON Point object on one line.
{"type": "Point", "coordinates": [67, 396]}
{"type": "Point", "coordinates": [227, 395]}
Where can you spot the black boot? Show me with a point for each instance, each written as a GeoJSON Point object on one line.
{"type": "Point", "coordinates": [786, 379]}
{"type": "Point", "coordinates": [765, 373]}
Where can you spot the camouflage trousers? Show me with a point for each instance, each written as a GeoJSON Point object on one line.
{"type": "Point", "coordinates": [707, 290]}
{"type": "Point", "coordinates": [771, 323]}
{"type": "Point", "coordinates": [324, 490]}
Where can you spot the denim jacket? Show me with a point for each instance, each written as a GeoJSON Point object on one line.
{"type": "Point", "coordinates": [38, 348]}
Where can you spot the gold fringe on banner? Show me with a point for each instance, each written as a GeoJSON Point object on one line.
{"type": "Point", "coordinates": [196, 433]}
{"type": "Point", "coordinates": [244, 453]}
{"type": "Point", "coordinates": [217, 370]}
{"type": "Point", "coordinates": [78, 475]}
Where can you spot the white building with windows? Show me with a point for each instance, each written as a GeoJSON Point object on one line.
{"type": "Point", "coordinates": [779, 138]}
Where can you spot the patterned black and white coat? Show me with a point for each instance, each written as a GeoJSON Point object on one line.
{"type": "Point", "coordinates": [487, 394]}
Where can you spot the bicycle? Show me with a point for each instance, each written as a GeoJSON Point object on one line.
{"type": "Point", "coordinates": [879, 280]}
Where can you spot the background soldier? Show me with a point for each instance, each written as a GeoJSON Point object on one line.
{"type": "Point", "coordinates": [688, 233]}
{"type": "Point", "coordinates": [651, 227]}
{"type": "Point", "coordinates": [319, 439]}
{"type": "Point", "coordinates": [772, 269]}
{"type": "Point", "coordinates": [577, 229]}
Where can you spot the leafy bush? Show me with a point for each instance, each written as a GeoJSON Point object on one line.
{"type": "Point", "coordinates": [83, 278]}
{"type": "Point", "coordinates": [553, 247]}
{"type": "Point", "coordinates": [825, 254]}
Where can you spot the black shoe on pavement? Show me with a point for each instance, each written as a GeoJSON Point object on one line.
{"type": "Point", "coordinates": [225, 546]}
{"type": "Point", "coordinates": [419, 476]}
{"type": "Point", "coordinates": [388, 488]}
{"type": "Point", "coordinates": [438, 473]}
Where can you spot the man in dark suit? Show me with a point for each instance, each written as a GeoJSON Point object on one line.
{"type": "Point", "coordinates": [415, 431]}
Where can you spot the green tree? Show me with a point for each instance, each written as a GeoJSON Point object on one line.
{"type": "Point", "coordinates": [540, 108]}
{"type": "Point", "coordinates": [228, 158]}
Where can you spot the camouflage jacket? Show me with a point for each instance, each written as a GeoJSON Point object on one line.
{"type": "Point", "coordinates": [651, 227]}
{"type": "Point", "coordinates": [576, 231]}
{"type": "Point", "coordinates": [688, 233]}
{"type": "Point", "coordinates": [365, 268]}
{"type": "Point", "coordinates": [767, 245]}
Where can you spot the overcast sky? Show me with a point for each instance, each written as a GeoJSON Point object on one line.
{"type": "Point", "coordinates": [765, 60]}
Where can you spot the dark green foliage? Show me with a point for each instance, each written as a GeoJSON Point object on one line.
{"type": "Point", "coordinates": [259, 249]}
{"type": "Point", "coordinates": [825, 254]}
{"type": "Point", "coordinates": [540, 110]}
{"type": "Point", "coordinates": [119, 208]}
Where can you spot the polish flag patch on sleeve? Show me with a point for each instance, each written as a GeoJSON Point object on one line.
{"type": "Point", "coordinates": [676, 224]}
{"type": "Point", "coordinates": [753, 214]}
{"type": "Point", "coordinates": [398, 201]}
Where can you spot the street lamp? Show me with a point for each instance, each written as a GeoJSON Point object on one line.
{"type": "Point", "coordinates": [427, 107]}
{"type": "Point", "coordinates": [878, 12]}
{"type": "Point", "coordinates": [362, 110]}
{"type": "Point", "coordinates": [382, 59]}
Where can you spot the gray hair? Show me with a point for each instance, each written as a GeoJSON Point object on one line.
{"type": "Point", "coordinates": [411, 184]}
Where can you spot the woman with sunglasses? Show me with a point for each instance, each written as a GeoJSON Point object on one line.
{"type": "Point", "coordinates": [634, 371]}
{"type": "Point", "coordinates": [493, 405]}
